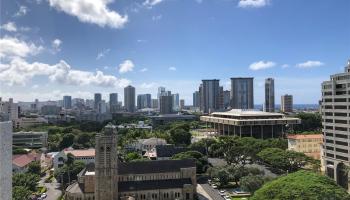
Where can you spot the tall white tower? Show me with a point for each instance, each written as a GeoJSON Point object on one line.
{"type": "Point", "coordinates": [6, 160]}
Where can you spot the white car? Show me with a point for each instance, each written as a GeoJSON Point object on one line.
{"type": "Point", "coordinates": [227, 197]}
{"type": "Point", "coordinates": [43, 196]}
{"type": "Point", "coordinates": [214, 186]}
{"type": "Point", "coordinates": [222, 192]}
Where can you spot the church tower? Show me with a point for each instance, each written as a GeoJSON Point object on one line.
{"type": "Point", "coordinates": [106, 164]}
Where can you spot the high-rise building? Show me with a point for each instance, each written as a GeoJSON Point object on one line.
{"type": "Point", "coordinates": [106, 164]}
{"type": "Point", "coordinates": [210, 95]}
{"type": "Point", "coordinates": [9, 109]}
{"type": "Point", "coordinates": [5, 160]}
{"type": "Point", "coordinates": [287, 103]}
{"type": "Point", "coordinates": [242, 93]}
{"type": "Point", "coordinates": [155, 103]}
{"type": "Point", "coordinates": [176, 101]}
{"type": "Point", "coordinates": [129, 98]}
{"type": "Point", "coordinates": [161, 92]}
{"type": "Point", "coordinates": [166, 105]}
{"type": "Point", "coordinates": [269, 105]}
{"type": "Point", "coordinates": [336, 126]}
{"type": "Point", "coordinates": [144, 101]}
{"type": "Point", "coordinates": [182, 104]}
{"type": "Point", "coordinates": [196, 99]}
{"type": "Point", "coordinates": [67, 102]}
{"type": "Point", "coordinates": [113, 102]}
{"type": "Point", "coordinates": [97, 100]}
{"type": "Point", "coordinates": [226, 99]}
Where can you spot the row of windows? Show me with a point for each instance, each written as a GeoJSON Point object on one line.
{"type": "Point", "coordinates": [336, 128]}
{"type": "Point", "coordinates": [149, 177]}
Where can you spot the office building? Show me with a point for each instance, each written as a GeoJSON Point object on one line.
{"type": "Point", "coordinates": [176, 102]}
{"type": "Point", "coordinates": [67, 102]}
{"type": "Point", "coordinates": [250, 123]}
{"type": "Point", "coordinates": [97, 100]}
{"type": "Point", "coordinates": [129, 98]}
{"type": "Point", "coordinates": [182, 104]}
{"type": "Point", "coordinates": [336, 126]}
{"type": "Point", "coordinates": [286, 103]}
{"type": "Point", "coordinates": [113, 102]}
{"type": "Point", "coordinates": [242, 93]}
{"type": "Point", "coordinates": [5, 158]}
{"type": "Point", "coordinates": [210, 95]}
{"type": "Point", "coordinates": [166, 105]}
{"type": "Point", "coordinates": [109, 178]}
{"type": "Point", "coordinates": [30, 139]}
{"type": "Point", "coordinates": [155, 103]}
{"type": "Point", "coordinates": [50, 110]}
{"type": "Point", "coordinates": [196, 99]}
{"type": "Point", "coordinates": [226, 97]}
{"type": "Point", "coordinates": [269, 105]}
{"type": "Point", "coordinates": [9, 109]}
{"type": "Point", "coordinates": [161, 92]}
{"type": "Point", "coordinates": [144, 101]}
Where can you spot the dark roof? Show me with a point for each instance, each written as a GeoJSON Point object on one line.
{"type": "Point", "coordinates": [171, 150]}
{"type": "Point", "coordinates": [152, 184]}
{"type": "Point", "coordinates": [155, 166]}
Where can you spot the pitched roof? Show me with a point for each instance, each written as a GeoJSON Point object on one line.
{"type": "Point", "coordinates": [152, 184]}
{"type": "Point", "coordinates": [81, 153]}
{"type": "Point", "coordinates": [305, 136]}
{"type": "Point", "coordinates": [171, 150]}
{"type": "Point", "coordinates": [23, 160]}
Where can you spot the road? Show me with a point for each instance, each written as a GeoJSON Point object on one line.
{"type": "Point", "coordinates": [213, 193]}
{"type": "Point", "coordinates": [53, 189]}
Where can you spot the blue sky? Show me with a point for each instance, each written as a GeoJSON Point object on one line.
{"type": "Point", "coordinates": [50, 48]}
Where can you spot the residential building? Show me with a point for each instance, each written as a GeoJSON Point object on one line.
{"type": "Point", "coordinates": [166, 105]}
{"type": "Point", "coordinates": [161, 92]}
{"type": "Point", "coordinates": [110, 179]}
{"type": "Point", "coordinates": [182, 104]}
{"type": "Point", "coordinates": [144, 101]}
{"type": "Point", "coordinates": [336, 126]}
{"type": "Point", "coordinates": [269, 105]}
{"type": "Point", "coordinates": [226, 98]}
{"type": "Point", "coordinates": [196, 99]}
{"type": "Point", "coordinates": [129, 98]}
{"type": "Point", "coordinates": [242, 93]}
{"type": "Point", "coordinates": [176, 102]}
{"type": "Point", "coordinates": [155, 103]}
{"type": "Point", "coordinates": [250, 123]}
{"type": "Point", "coordinates": [113, 102]}
{"type": "Point", "coordinates": [5, 157]}
{"type": "Point", "coordinates": [20, 162]}
{"type": "Point", "coordinates": [30, 139]}
{"type": "Point", "coordinates": [97, 100]}
{"type": "Point", "coordinates": [287, 103]}
{"type": "Point", "coordinates": [10, 109]}
{"type": "Point", "coordinates": [309, 144]}
{"type": "Point", "coordinates": [210, 95]}
{"type": "Point", "coordinates": [67, 102]}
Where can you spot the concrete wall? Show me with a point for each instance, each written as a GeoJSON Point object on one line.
{"type": "Point", "coordinates": [5, 160]}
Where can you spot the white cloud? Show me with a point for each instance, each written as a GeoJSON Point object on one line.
{"type": "Point", "coordinates": [157, 17]}
{"type": "Point", "coordinates": [151, 3]}
{"type": "Point", "coordinates": [144, 70]}
{"type": "Point", "coordinates": [21, 12]}
{"type": "Point", "coordinates": [126, 66]}
{"type": "Point", "coordinates": [91, 11]}
{"type": "Point", "coordinates": [102, 54]}
{"type": "Point", "coordinates": [19, 72]}
{"type": "Point", "coordinates": [9, 26]}
{"type": "Point", "coordinates": [310, 64]}
{"type": "Point", "coordinates": [12, 47]}
{"type": "Point", "coordinates": [261, 65]}
{"type": "Point", "coordinates": [284, 66]}
{"type": "Point", "coordinates": [148, 85]}
{"type": "Point", "coordinates": [252, 3]}
{"type": "Point", "coordinates": [35, 86]}
{"type": "Point", "coordinates": [172, 68]}
{"type": "Point", "coordinates": [56, 45]}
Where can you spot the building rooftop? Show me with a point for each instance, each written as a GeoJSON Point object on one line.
{"type": "Point", "coordinates": [305, 136]}
{"type": "Point", "coordinates": [247, 113]}
{"type": "Point", "coordinates": [151, 184]}
{"type": "Point", "coordinates": [81, 153]}
{"type": "Point", "coordinates": [23, 160]}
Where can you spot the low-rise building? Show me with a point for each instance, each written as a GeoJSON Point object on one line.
{"type": "Point", "coordinates": [143, 145]}
{"type": "Point", "coordinates": [25, 122]}
{"type": "Point", "coordinates": [168, 118]}
{"type": "Point", "coordinates": [84, 155]}
{"type": "Point", "coordinates": [20, 162]}
{"type": "Point", "coordinates": [250, 123]}
{"type": "Point", "coordinates": [30, 139]}
{"type": "Point", "coordinates": [309, 144]}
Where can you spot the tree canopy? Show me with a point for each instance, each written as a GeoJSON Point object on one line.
{"type": "Point", "coordinates": [301, 185]}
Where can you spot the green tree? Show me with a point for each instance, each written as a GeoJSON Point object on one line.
{"type": "Point", "coordinates": [27, 180]}
{"type": "Point", "coordinates": [67, 141]}
{"type": "Point", "coordinates": [20, 193]}
{"type": "Point", "coordinates": [251, 183]}
{"type": "Point", "coordinates": [68, 173]}
{"type": "Point", "coordinates": [309, 122]}
{"type": "Point", "coordinates": [34, 168]}
{"type": "Point", "coordinates": [132, 156]}
{"type": "Point", "coordinates": [201, 160]}
{"type": "Point", "coordinates": [301, 185]}
{"type": "Point", "coordinates": [180, 136]}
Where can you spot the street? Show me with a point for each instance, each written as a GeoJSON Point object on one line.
{"type": "Point", "coordinates": [213, 193]}
{"type": "Point", "coordinates": [53, 189]}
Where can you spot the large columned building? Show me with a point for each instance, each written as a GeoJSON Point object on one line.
{"type": "Point", "coordinates": [336, 126]}
{"type": "Point", "coordinates": [250, 123]}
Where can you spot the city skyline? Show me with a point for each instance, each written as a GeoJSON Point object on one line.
{"type": "Point", "coordinates": [67, 54]}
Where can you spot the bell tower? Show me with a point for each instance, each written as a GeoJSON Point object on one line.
{"type": "Point", "coordinates": [106, 164]}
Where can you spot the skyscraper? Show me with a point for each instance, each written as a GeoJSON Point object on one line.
{"type": "Point", "coordinates": [242, 93]}
{"type": "Point", "coordinates": [269, 105]}
{"type": "Point", "coordinates": [196, 99]}
{"type": "Point", "coordinates": [166, 105]}
{"type": "Point", "coordinates": [161, 92]}
{"type": "Point", "coordinates": [226, 99]}
{"type": "Point", "coordinates": [287, 103]}
{"type": "Point", "coordinates": [106, 164]}
{"type": "Point", "coordinates": [182, 104]}
{"type": "Point", "coordinates": [129, 98]}
{"type": "Point", "coordinates": [210, 95]}
{"type": "Point", "coordinates": [336, 126]}
{"type": "Point", "coordinates": [67, 102]}
{"type": "Point", "coordinates": [97, 101]}
{"type": "Point", "coordinates": [5, 160]}
{"type": "Point", "coordinates": [113, 102]}
{"type": "Point", "coordinates": [144, 101]}
{"type": "Point", "coordinates": [155, 103]}
{"type": "Point", "coordinates": [176, 101]}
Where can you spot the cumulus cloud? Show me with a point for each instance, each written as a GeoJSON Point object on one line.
{"type": "Point", "coordinates": [126, 66]}
{"type": "Point", "coordinates": [56, 45]}
{"type": "Point", "coordinates": [144, 70]}
{"type": "Point", "coordinates": [21, 11]}
{"type": "Point", "coordinates": [12, 47]}
{"type": "Point", "coordinates": [151, 3]}
{"type": "Point", "coordinates": [310, 64]}
{"type": "Point", "coordinates": [88, 11]}
{"type": "Point", "coordinates": [9, 26]}
{"type": "Point", "coordinates": [102, 54]}
{"type": "Point", "coordinates": [261, 65]}
{"type": "Point", "coordinates": [172, 68]}
{"type": "Point", "coordinates": [252, 3]}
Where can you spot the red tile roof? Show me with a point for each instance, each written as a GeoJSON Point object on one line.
{"type": "Point", "coordinates": [23, 160]}
{"type": "Point", "coordinates": [81, 153]}
{"type": "Point", "coordinates": [306, 136]}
